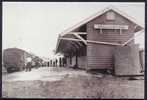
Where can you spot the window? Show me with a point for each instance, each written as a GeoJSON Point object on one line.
{"type": "Point", "coordinates": [110, 15]}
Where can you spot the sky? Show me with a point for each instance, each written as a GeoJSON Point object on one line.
{"type": "Point", "coordinates": [34, 26]}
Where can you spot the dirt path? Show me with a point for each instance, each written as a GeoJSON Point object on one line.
{"type": "Point", "coordinates": [70, 83]}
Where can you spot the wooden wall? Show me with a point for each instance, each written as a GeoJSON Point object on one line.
{"type": "Point", "coordinates": [73, 61]}
{"type": "Point", "coordinates": [127, 60]}
{"type": "Point", "coordinates": [82, 62]}
{"type": "Point", "coordinates": [101, 56]}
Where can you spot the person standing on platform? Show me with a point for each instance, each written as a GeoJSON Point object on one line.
{"type": "Point", "coordinates": [29, 64]}
{"type": "Point", "coordinates": [60, 62]}
{"type": "Point", "coordinates": [48, 63]}
{"type": "Point", "coordinates": [51, 64]}
{"type": "Point", "coordinates": [37, 64]}
{"type": "Point", "coordinates": [64, 61]}
{"type": "Point", "coordinates": [56, 62]}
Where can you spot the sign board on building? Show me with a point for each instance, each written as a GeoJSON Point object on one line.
{"type": "Point", "coordinates": [103, 26]}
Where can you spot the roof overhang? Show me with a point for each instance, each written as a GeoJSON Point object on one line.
{"type": "Point", "coordinates": [78, 39]}
{"type": "Point", "coordinates": [132, 19]}
{"type": "Point", "coordinates": [72, 38]}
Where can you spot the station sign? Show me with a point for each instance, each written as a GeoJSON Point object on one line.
{"type": "Point", "coordinates": [104, 26]}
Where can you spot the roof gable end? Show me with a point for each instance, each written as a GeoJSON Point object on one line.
{"type": "Point", "coordinates": [97, 15]}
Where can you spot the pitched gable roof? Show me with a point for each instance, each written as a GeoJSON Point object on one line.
{"type": "Point", "coordinates": [98, 14]}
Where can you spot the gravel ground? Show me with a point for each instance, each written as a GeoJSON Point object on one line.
{"type": "Point", "coordinates": [69, 83]}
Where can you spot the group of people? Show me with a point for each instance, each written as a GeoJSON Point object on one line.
{"type": "Point", "coordinates": [57, 62]}
{"type": "Point", "coordinates": [61, 62]}
{"type": "Point", "coordinates": [30, 64]}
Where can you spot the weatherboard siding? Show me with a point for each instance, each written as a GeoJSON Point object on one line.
{"type": "Point", "coordinates": [110, 35]}
{"type": "Point", "coordinates": [101, 56]}
{"type": "Point", "coordinates": [82, 62]}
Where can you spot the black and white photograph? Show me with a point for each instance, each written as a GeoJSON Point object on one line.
{"type": "Point", "coordinates": [73, 50]}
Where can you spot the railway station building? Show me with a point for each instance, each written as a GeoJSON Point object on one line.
{"type": "Point", "coordinates": [91, 43]}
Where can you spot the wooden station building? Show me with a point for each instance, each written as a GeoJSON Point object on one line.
{"type": "Point", "coordinates": [90, 44]}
